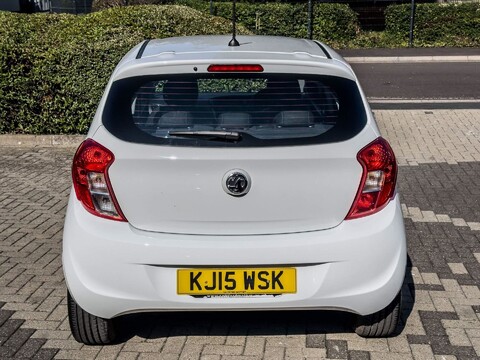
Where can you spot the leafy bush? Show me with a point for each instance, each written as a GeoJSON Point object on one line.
{"type": "Point", "coordinates": [54, 67]}
{"type": "Point", "coordinates": [335, 23]}
{"type": "Point", "coordinates": [436, 24]}
{"type": "Point", "coordinates": [376, 39]}
{"type": "Point", "coordinates": [105, 4]}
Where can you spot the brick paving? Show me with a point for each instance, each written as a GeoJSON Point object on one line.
{"type": "Point", "coordinates": [439, 182]}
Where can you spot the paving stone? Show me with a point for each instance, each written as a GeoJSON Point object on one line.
{"type": "Point", "coordinates": [222, 350]}
{"type": "Point", "coordinates": [174, 344]}
{"type": "Point", "coordinates": [191, 352]}
{"type": "Point", "coordinates": [358, 355]}
{"type": "Point", "coordinates": [274, 353]}
{"type": "Point", "coordinates": [69, 343]}
{"type": "Point", "coordinates": [144, 347]}
{"type": "Point", "coordinates": [124, 355]}
{"type": "Point", "coordinates": [442, 304]}
{"type": "Point", "coordinates": [293, 341]}
{"type": "Point", "coordinates": [389, 356]}
{"type": "Point", "coordinates": [445, 357]}
{"type": "Point", "coordinates": [471, 292]}
{"type": "Point", "coordinates": [45, 354]}
{"type": "Point", "coordinates": [439, 182]}
{"type": "Point", "coordinates": [154, 356]}
{"type": "Point", "coordinates": [254, 346]}
{"type": "Point", "coordinates": [109, 352]}
{"type": "Point", "coordinates": [77, 354]}
{"type": "Point", "coordinates": [398, 345]}
{"type": "Point", "coordinates": [477, 256]}
{"type": "Point", "coordinates": [314, 353]}
{"type": "Point", "coordinates": [421, 352]}
{"type": "Point", "coordinates": [376, 345]}
{"type": "Point", "coordinates": [315, 341]}
{"type": "Point", "coordinates": [431, 278]}
{"type": "Point", "coordinates": [458, 337]}
{"type": "Point", "coordinates": [336, 349]}
{"type": "Point", "coordinates": [29, 349]}
{"type": "Point", "coordinates": [458, 268]}
{"type": "Point", "coordinates": [16, 341]}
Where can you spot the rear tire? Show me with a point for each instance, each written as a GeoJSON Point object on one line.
{"type": "Point", "coordinates": [382, 323]}
{"type": "Point", "coordinates": [87, 328]}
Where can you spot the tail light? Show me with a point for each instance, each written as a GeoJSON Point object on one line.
{"type": "Point", "coordinates": [235, 68]}
{"type": "Point", "coordinates": [377, 186]}
{"type": "Point", "coordinates": [91, 183]}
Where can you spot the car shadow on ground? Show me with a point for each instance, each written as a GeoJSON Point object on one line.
{"type": "Point", "coordinates": [233, 323]}
{"type": "Point", "coordinates": [249, 323]}
{"type": "Point", "coordinates": [408, 296]}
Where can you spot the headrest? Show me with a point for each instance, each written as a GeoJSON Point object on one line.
{"type": "Point", "coordinates": [294, 118]}
{"type": "Point", "coordinates": [234, 119]}
{"type": "Point", "coordinates": [176, 119]}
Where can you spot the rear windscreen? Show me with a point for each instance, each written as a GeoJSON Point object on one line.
{"type": "Point", "coordinates": [234, 109]}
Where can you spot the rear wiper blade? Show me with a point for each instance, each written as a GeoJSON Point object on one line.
{"type": "Point", "coordinates": [208, 134]}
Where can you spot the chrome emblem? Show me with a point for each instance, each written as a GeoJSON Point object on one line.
{"type": "Point", "coordinates": [236, 182]}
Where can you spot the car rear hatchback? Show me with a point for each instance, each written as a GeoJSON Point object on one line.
{"type": "Point", "coordinates": [233, 178]}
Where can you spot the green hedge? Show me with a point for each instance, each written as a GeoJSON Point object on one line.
{"type": "Point", "coordinates": [54, 67]}
{"type": "Point", "coordinates": [436, 24]}
{"type": "Point", "coordinates": [335, 23]}
{"type": "Point", "coordinates": [105, 4]}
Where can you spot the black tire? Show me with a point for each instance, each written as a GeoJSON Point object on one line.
{"type": "Point", "coordinates": [382, 323]}
{"type": "Point", "coordinates": [87, 328]}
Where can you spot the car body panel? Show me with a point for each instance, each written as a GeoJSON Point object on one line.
{"type": "Point", "coordinates": [131, 270]}
{"type": "Point", "coordinates": [179, 189]}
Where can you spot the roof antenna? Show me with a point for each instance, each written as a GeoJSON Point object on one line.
{"type": "Point", "coordinates": [234, 41]}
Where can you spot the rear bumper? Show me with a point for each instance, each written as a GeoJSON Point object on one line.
{"type": "Point", "coordinates": [112, 268]}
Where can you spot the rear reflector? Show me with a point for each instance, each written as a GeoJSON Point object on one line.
{"type": "Point", "coordinates": [379, 177]}
{"type": "Point", "coordinates": [235, 68]}
{"type": "Point", "coordinates": [91, 183]}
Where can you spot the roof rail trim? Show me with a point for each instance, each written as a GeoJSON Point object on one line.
{"type": "Point", "coordinates": [142, 49]}
{"type": "Point", "coordinates": [323, 49]}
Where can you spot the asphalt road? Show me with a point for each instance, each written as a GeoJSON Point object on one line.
{"type": "Point", "coordinates": [420, 80]}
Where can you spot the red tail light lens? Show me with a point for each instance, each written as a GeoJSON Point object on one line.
{"type": "Point", "coordinates": [235, 68]}
{"type": "Point", "coordinates": [91, 183]}
{"type": "Point", "coordinates": [377, 186]}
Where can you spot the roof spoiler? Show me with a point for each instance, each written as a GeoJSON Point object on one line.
{"type": "Point", "coordinates": [327, 54]}
{"type": "Point", "coordinates": [142, 49]}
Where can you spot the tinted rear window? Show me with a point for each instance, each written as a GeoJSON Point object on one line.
{"type": "Point", "coordinates": [262, 109]}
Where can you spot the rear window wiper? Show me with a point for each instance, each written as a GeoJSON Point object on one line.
{"type": "Point", "coordinates": [208, 134]}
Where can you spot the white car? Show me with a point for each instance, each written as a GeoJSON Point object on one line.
{"type": "Point", "coordinates": [219, 177]}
